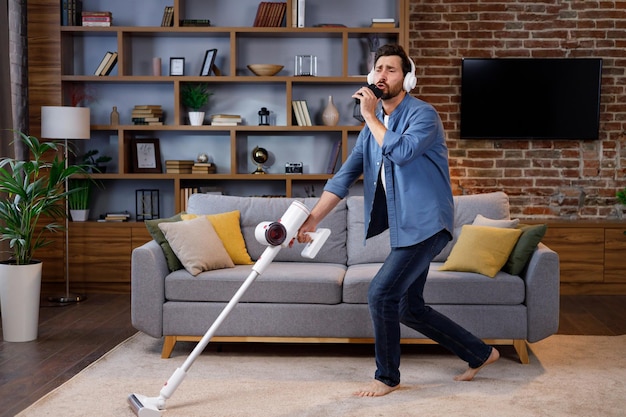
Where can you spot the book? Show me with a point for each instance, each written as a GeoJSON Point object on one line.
{"type": "Point", "coordinates": [110, 64]}
{"type": "Point", "coordinates": [168, 16]}
{"type": "Point", "coordinates": [297, 111]}
{"type": "Point", "coordinates": [383, 20]}
{"type": "Point", "coordinates": [96, 13]}
{"type": "Point", "coordinates": [294, 13]}
{"type": "Point", "coordinates": [103, 62]}
{"type": "Point", "coordinates": [97, 24]}
{"type": "Point", "coordinates": [334, 157]}
{"type": "Point", "coordinates": [195, 22]}
{"type": "Point", "coordinates": [383, 25]}
{"type": "Point", "coordinates": [305, 112]}
{"type": "Point", "coordinates": [227, 117]}
{"type": "Point", "coordinates": [300, 13]}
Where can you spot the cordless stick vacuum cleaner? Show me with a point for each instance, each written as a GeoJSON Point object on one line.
{"type": "Point", "coordinates": [275, 234]}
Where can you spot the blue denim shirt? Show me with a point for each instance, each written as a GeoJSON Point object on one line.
{"type": "Point", "coordinates": [414, 151]}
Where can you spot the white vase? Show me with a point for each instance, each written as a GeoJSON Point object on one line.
{"type": "Point", "coordinates": [330, 115]}
{"type": "Point", "coordinates": [20, 289]}
{"type": "Point", "coordinates": [196, 118]}
{"type": "Point", "coordinates": [79, 215]}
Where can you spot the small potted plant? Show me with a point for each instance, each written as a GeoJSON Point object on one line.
{"type": "Point", "coordinates": [96, 164]}
{"type": "Point", "coordinates": [78, 200]}
{"type": "Point", "coordinates": [194, 97]}
{"type": "Point", "coordinates": [621, 198]}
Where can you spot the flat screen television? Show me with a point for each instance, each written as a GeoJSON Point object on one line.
{"type": "Point", "coordinates": [534, 98]}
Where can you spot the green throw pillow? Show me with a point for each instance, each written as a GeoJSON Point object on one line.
{"type": "Point", "coordinates": [524, 248]}
{"type": "Point", "coordinates": [173, 263]}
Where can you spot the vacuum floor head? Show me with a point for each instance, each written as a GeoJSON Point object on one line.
{"type": "Point", "coordinates": [144, 406]}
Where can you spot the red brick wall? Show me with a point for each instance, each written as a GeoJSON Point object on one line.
{"type": "Point", "coordinates": [564, 178]}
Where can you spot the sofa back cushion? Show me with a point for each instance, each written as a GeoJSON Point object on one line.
{"type": "Point", "coordinates": [255, 210]}
{"type": "Point", "coordinates": [466, 207]}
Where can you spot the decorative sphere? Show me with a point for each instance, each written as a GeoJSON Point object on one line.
{"type": "Point", "coordinates": [259, 155]}
{"type": "Point", "coordinates": [203, 158]}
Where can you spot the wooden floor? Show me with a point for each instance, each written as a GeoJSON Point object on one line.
{"type": "Point", "coordinates": [74, 336]}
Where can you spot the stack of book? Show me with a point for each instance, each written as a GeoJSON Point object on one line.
{"type": "Point", "coordinates": [101, 19]}
{"type": "Point", "coordinates": [168, 16]}
{"type": "Point", "coordinates": [116, 217]}
{"type": "Point", "coordinates": [106, 65]}
{"type": "Point", "coordinates": [383, 22]}
{"type": "Point", "coordinates": [203, 168]}
{"type": "Point", "coordinates": [147, 114]}
{"type": "Point", "coordinates": [301, 113]}
{"type": "Point", "coordinates": [176, 166]}
{"type": "Point", "coordinates": [270, 14]}
{"type": "Point", "coordinates": [225, 119]}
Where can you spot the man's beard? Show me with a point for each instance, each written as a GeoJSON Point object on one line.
{"type": "Point", "coordinates": [391, 92]}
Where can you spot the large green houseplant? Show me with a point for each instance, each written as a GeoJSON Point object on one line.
{"type": "Point", "coordinates": [33, 196]}
{"type": "Point", "coordinates": [35, 189]}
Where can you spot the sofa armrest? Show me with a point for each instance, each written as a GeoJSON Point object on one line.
{"type": "Point", "coordinates": [542, 278]}
{"type": "Point", "coordinates": [147, 282]}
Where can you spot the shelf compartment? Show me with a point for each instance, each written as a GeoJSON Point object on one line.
{"type": "Point", "coordinates": [313, 150]}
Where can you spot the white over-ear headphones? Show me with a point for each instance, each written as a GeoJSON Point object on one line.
{"type": "Point", "coordinates": [410, 80]}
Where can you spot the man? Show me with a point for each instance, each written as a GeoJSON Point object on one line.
{"type": "Point", "coordinates": [402, 155]}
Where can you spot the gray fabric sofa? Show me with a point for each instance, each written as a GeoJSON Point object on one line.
{"type": "Point", "coordinates": [325, 299]}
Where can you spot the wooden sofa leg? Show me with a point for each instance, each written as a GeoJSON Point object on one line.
{"type": "Point", "coordinates": [168, 346]}
{"type": "Point", "coordinates": [522, 350]}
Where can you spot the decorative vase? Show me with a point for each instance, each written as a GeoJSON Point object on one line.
{"type": "Point", "coordinates": [115, 117]}
{"type": "Point", "coordinates": [330, 115]}
{"type": "Point", "coordinates": [196, 118]}
{"type": "Point", "coordinates": [20, 288]}
{"type": "Point", "coordinates": [79, 215]}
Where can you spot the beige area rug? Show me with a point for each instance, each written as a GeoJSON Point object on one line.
{"type": "Point", "coordinates": [568, 376]}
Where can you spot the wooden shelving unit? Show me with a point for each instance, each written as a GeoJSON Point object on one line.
{"type": "Point", "coordinates": [64, 59]}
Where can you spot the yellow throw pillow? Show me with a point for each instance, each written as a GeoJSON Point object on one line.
{"type": "Point", "coordinates": [228, 229]}
{"type": "Point", "coordinates": [481, 249]}
{"type": "Point", "coordinates": [197, 245]}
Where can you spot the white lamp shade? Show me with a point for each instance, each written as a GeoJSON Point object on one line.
{"type": "Point", "coordinates": [64, 122]}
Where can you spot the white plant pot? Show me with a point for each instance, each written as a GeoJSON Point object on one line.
{"type": "Point", "coordinates": [196, 118]}
{"type": "Point", "coordinates": [20, 289]}
{"type": "Point", "coordinates": [79, 215]}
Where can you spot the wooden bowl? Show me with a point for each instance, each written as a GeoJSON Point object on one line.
{"type": "Point", "coordinates": [265, 69]}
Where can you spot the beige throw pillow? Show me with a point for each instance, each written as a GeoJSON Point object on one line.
{"type": "Point", "coordinates": [196, 245]}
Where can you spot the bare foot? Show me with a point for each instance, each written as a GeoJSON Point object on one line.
{"type": "Point", "coordinates": [375, 389]}
{"type": "Point", "coordinates": [471, 372]}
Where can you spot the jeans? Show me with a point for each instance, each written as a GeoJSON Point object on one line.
{"type": "Point", "coordinates": [396, 296]}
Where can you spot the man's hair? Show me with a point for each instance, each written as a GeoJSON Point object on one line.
{"type": "Point", "coordinates": [394, 50]}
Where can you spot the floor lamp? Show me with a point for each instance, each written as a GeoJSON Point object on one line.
{"type": "Point", "coordinates": [60, 122]}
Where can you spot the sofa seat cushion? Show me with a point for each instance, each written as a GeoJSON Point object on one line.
{"type": "Point", "coordinates": [282, 282]}
{"type": "Point", "coordinates": [443, 287]}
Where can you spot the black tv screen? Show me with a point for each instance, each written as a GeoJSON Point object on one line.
{"type": "Point", "coordinates": [536, 98]}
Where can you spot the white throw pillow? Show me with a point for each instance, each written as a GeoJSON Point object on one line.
{"type": "Point", "coordinates": [197, 245]}
{"type": "Point", "coordinates": [481, 220]}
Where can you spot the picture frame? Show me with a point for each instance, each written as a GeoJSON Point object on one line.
{"type": "Point", "coordinates": [209, 62]}
{"type": "Point", "coordinates": [177, 66]}
{"type": "Point", "coordinates": [146, 156]}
